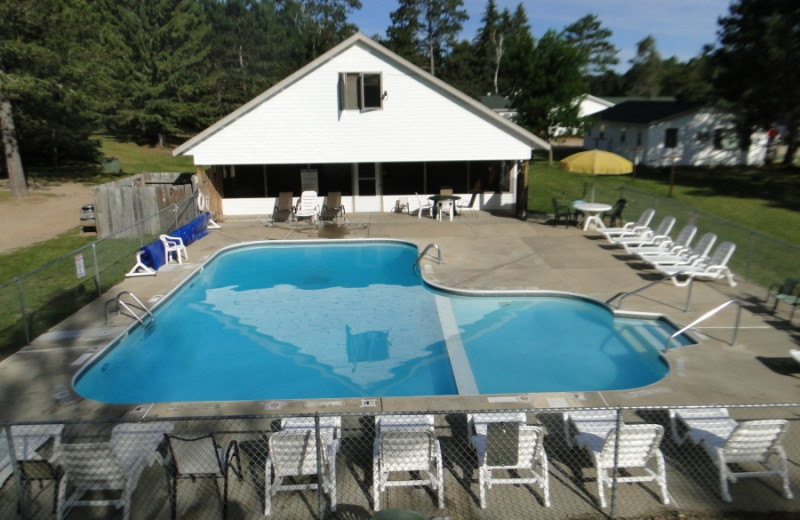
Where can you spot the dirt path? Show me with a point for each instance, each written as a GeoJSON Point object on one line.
{"type": "Point", "coordinates": [49, 211]}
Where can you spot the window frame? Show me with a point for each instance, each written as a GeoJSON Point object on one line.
{"type": "Point", "coordinates": [356, 91]}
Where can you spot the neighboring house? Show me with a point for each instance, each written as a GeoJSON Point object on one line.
{"type": "Point", "coordinates": [656, 132]}
{"type": "Point", "coordinates": [365, 122]}
{"type": "Point", "coordinates": [587, 105]}
{"type": "Point", "coordinates": [501, 105]}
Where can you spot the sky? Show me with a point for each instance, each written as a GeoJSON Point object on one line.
{"type": "Point", "coordinates": [680, 27]}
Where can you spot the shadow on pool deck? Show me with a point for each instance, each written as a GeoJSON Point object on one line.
{"type": "Point", "coordinates": [478, 252]}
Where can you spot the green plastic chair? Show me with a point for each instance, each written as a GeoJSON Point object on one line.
{"type": "Point", "coordinates": [559, 211]}
{"type": "Point", "coordinates": [616, 212]}
{"type": "Point", "coordinates": [786, 293]}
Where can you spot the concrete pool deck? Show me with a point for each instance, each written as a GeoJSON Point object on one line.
{"type": "Point", "coordinates": [478, 252]}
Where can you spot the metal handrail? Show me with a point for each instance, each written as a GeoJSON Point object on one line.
{"type": "Point", "coordinates": [129, 312]}
{"type": "Point", "coordinates": [422, 254]}
{"type": "Point", "coordinates": [707, 315]}
{"type": "Point", "coordinates": [640, 289]}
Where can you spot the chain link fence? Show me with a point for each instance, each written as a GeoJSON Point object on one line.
{"type": "Point", "coordinates": [759, 258]}
{"type": "Point", "coordinates": [40, 298]}
{"type": "Point", "coordinates": [541, 463]}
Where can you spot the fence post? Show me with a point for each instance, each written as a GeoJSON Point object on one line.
{"type": "Point", "coordinates": [25, 323]}
{"type": "Point", "coordinates": [320, 486]}
{"type": "Point", "coordinates": [613, 511]}
{"type": "Point", "coordinates": [750, 252]}
{"type": "Point", "coordinates": [96, 269]}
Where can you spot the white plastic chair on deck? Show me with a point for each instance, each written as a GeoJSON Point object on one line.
{"type": "Point", "coordinates": [406, 444]}
{"type": "Point", "coordinates": [174, 245]}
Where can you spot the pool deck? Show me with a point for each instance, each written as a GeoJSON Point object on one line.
{"type": "Point", "coordinates": [489, 252]}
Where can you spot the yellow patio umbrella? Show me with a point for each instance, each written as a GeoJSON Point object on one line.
{"type": "Point", "coordinates": [598, 162]}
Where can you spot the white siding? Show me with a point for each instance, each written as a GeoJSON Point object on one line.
{"type": "Point", "coordinates": [695, 141]}
{"type": "Point", "coordinates": [302, 124]}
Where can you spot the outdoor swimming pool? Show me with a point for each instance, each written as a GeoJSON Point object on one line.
{"type": "Point", "coordinates": [338, 319]}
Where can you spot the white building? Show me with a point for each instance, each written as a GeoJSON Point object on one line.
{"type": "Point", "coordinates": [365, 122]}
{"type": "Point", "coordinates": [655, 133]}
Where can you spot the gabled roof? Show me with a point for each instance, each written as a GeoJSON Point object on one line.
{"type": "Point", "coordinates": [466, 101]}
{"type": "Point", "coordinates": [646, 112]}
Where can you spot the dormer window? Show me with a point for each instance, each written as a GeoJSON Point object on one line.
{"type": "Point", "coordinates": [360, 91]}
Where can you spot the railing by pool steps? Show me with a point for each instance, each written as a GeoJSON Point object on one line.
{"type": "Point", "coordinates": [424, 251]}
{"type": "Point", "coordinates": [707, 315]}
{"type": "Point", "coordinates": [127, 308]}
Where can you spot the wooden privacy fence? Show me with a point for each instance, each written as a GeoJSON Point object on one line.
{"type": "Point", "coordinates": [119, 205]}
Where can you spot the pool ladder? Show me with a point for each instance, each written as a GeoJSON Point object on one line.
{"type": "Point", "coordinates": [424, 251]}
{"type": "Point", "coordinates": [144, 317]}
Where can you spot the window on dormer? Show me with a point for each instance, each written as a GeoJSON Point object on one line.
{"type": "Point", "coordinates": [360, 91]}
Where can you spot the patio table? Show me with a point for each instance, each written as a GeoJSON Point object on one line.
{"type": "Point", "coordinates": [593, 210]}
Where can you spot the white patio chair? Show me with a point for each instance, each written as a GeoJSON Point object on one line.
{"type": "Point", "coordinates": [144, 437]}
{"type": "Point", "coordinates": [631, 227]}
{"type": "Point", "coordinates": [98, 467]}
{"type": "Point", "coordinates": [729, 442]}
{"type": "Point", "coordinates": [464, 207]}
{"type": "Point", "coordinates": [293, 453]}
{"type": "Point", "coordinates": [714, 267]}
{"type": "Point", "coordinates": [684, 257]}
{"type": "Point", "coordinates": [515, 449]}
{"type": "Point", "coordinates": [597, 423]}
{"type": "Point", "coordinates": [647, 236]}
{"type": "Point", "coordinates": [666, 246]}
{"type": "Point", "coordinates": [174, 245]}
{"type": "Point", "coordinates": [445, 207]}
{"type": "Point", "coordinates": [423, 205]}
{"type": "Point", "coordinates": [636, 449]}
{"type": "Point", "coordinates": [307, 206]}
{"type": "Point", "coordinates": [410, 452]}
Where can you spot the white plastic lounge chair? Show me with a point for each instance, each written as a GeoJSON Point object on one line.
{"type": "Point", "coordinates": [729, 442]}
{"type": "Point", "coordinates": [283, 210]}
{"type": "Point", "coordinates": [513, 448]}
{"type": "Point", "coordinates": [293, 453]}
{"type": "Point", "coordinates": [173, 246]}
{"type": "Point", "coordinates": [307, 206]}
{"type": "Point", "coordinates": [596, 423]}
{"type": "Point", "coordinates": [98, 467]}
{"type": "Point", "coordinates": [714, 267]}
{"type": "Point", "coordinates": [424, 205]}
{"type": "Point", "coordinates": [687, 257]}
{"type": "Point", "coordinates": [330, 429]}
{"type": "Point", "coordinates": [200, 457]}
{"type": "Point", "coordinates": [638, 449]}
{"type": "Point", "coordinates": [667, 246]}
{"type": "Point", "coordinates": [413, 453]}
{"type": "Point", "coordinates": [631, 227]}
{"type": "Point", "coordinates": [647, 236]}
{"type": "Point", "coordinates": [333, 208]}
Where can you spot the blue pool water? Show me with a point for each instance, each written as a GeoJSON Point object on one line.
{"type": "Point", "coordinates": [354, 319]}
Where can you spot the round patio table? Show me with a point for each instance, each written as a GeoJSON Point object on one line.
{"type": "Point", "coordinates": [593, 210]}
{"type": "Point", "coordinates": [439, 198]}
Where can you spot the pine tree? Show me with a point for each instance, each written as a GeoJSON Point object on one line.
{"type": "Point", "coordinates": [588, 35]}
{"type": "Point", "coordinates": [162, 75]}
{"type": "Point", "coordinates": [403, 35]}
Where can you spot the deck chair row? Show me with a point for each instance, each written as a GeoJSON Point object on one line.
{"type": "Point", "coordinates": [675, 258]}
{"type": "Point", "coordinates": [307, 206]}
